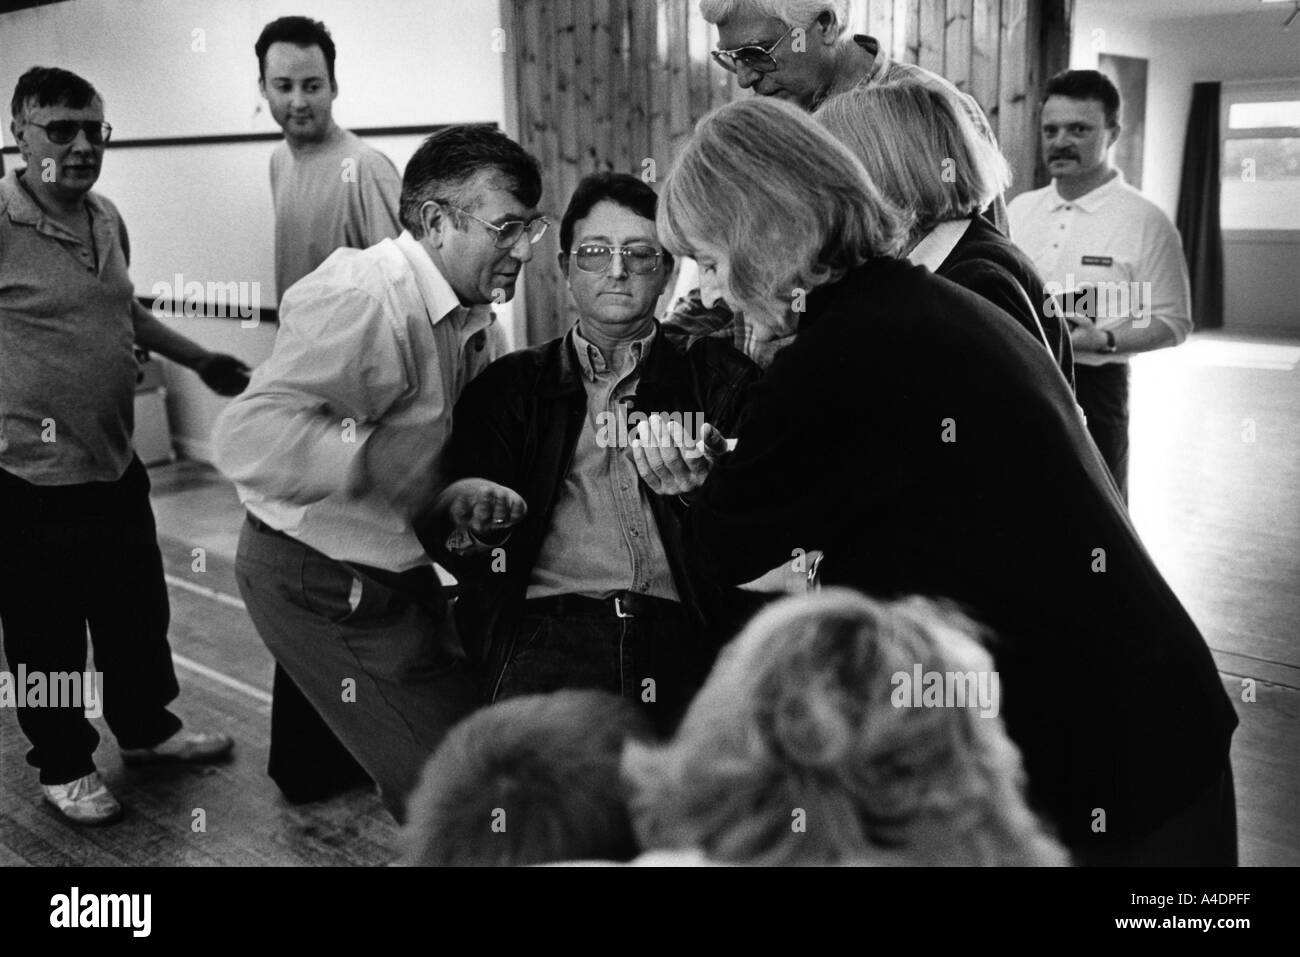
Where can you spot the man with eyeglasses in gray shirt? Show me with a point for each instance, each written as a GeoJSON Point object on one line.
{"type": "Point", "coordinates": [78, 546]}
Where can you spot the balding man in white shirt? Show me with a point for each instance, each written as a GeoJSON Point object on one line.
{"type": "Point", "coordinates": [1110, 258]}
{"type": "Point", "coordinates": [338, 443]}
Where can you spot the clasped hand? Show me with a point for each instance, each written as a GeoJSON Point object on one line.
{"type": "Point", "coordinates": [667, 462]}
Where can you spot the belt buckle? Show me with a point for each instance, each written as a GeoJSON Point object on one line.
{"type": "Point", "coordinates": [618, 608]}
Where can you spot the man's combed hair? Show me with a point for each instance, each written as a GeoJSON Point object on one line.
{"type": "Point", "coordinates": [797, 13]}
{"type": "Point", "coordinates": [1086, 85]}
{"type": "Point", "coordinates": [621, 189]}
{"type": "Point", "coordinates": [301, 32]}
{"type": "Point", "coordinates": [791, 204]}
{"type": "Point", "coordinates": [531, 780]}
{"type": "Point", "coordinates": [799, 713]}
{"type": "Point", "coordinates": [920, 148]}
{"type": "Point", "coordinates": [447, 160]}
{"type": "Point", "coordinates": [50, 86]}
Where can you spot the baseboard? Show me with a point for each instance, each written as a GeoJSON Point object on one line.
{"type": "Point", "coordinates": [1244, 666]}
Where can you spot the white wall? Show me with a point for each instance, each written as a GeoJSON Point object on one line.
{"type": "Point", "coordinates": [182, 68]}
{"type": "Point", "coordinates": [1182, 51]}
{"type": "Point", "coordinates": [1261, 285]}
{"type": "Point", "coordinates": [400, 62]}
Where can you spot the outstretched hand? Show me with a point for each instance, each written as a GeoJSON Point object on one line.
{"type": "Point", "coordinates": [668, 463]}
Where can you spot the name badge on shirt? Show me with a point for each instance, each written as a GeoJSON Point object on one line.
{"type": "Point", "coordinates": [1098, 261]}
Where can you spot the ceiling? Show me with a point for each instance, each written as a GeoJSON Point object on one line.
{"type": "Point", "coordinates": [1179, 9]}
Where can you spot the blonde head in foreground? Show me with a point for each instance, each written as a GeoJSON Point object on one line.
{"type": "Point", "coordinates": [796, 726]}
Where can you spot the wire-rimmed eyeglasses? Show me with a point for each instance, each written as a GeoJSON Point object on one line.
{"type": "Point", "coordinates": [511, 231]}
{"type": "Point", "coordinates": [757, 58]}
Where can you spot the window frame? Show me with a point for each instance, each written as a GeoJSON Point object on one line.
{"type": "Point", "coordinates": [1255, 91]}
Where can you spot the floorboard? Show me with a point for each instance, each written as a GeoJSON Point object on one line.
{"type": "Point", "coordinates": [1215, 494]}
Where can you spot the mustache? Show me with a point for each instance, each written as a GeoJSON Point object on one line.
{"type": "Point", "coordinates": [1063, 154]}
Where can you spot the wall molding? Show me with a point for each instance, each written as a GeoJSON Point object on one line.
{"type": "Point", "coordinates": [217, 139]}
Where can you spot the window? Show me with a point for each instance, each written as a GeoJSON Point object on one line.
{"type": "Point", "coordinates": [1252, 116]}
{"type": "Point", "coordinates": [1260, 160]}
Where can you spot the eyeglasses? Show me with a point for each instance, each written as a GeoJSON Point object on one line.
{"type": "Point", "coordinates": [596, 258]}
{"type": "Point", "coordinates": [757, 58]}
{"type": "Point", "coordinates": [62, 132]}
{"type": "Point", "coordinates": [509, 233]}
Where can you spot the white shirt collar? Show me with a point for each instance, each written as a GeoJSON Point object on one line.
{"type": "Point", "coordinates": [1093, 200]}
{"type": "Point", "coordinates": [439, 298]}
{"type": "Point", "coordinates": [936, 245]}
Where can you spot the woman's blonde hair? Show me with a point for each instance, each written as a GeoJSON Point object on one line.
{"type": "Point", "coordinates": [790, 203]}
{"type": "Point", "coordinates": [920, 148]}
{"type": "Point", "coordinates": [800, 714]}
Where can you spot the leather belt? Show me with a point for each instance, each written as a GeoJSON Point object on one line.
{"type": "Point", "coordinates": [623, 604]}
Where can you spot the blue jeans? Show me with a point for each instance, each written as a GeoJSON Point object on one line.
{"type": "Point", "coordinates": [659, 664]}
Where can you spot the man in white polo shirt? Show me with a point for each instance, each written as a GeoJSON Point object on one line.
{"type": "Point", "coordinates": [1109, 256]}
{"type": "Point", "coordinates": [338, 442]}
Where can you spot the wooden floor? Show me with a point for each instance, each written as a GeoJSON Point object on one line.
{"type": "Point", "coordinates": [1215, 493]}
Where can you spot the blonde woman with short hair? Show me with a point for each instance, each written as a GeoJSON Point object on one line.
{"type": "Point", "coordinates": [928, 446]}
{"type": "Point", "coordinates": [800, 52]}
{"type": "Point", "coordinates": [920, 149]}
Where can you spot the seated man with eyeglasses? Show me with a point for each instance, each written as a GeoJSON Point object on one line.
{"type": "Point", "coordinates": [338, 443]}
{"type": "Point", "coordinates": [583, 578]}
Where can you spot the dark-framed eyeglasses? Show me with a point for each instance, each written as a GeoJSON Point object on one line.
{"type": "Point", "coordinates": [757, 58]}
{"type": "Point", "coordinates": [62, 132]}
{"type": "Point", "coordinates": [511, 231]}
{"type": "Point", "coordinates": [640, 260]}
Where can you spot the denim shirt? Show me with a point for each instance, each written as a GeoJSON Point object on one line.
{"type": "Point", "coordinates": [603, 537]}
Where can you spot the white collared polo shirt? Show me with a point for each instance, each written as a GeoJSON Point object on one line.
{"type": "Point", "coordinates": [1111, 254]}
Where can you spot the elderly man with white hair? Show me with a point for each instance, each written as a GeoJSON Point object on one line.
{"type": "Point", "coordinates": [801, 51]}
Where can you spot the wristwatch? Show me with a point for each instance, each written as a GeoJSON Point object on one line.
{"type": "Point", "coordinates": [1110, 346]}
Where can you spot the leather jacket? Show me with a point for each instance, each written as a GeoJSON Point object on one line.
{"type": "Point", "coordinates": [518, 424]}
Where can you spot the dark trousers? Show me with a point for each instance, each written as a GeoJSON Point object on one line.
{"type": "Point", "coordinates": [306, 761]}
{"type": "Point", "coordinates": [657, 663]}
{"type": "Point", "coordinates": [1103, 393]}
{"type": "Point", "coordinates": [374, 659]}
{"type": "Point", "coordinates": [1203, 834]}
{"type": "Point", "coordinates": [78, 556]}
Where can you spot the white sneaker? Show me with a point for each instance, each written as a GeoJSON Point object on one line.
{"type": "Point", "coordinates": [84, 801]}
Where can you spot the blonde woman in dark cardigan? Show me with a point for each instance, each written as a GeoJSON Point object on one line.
{"type": "Point", "coordinates": [922, 152]}
{"type": "Point", "coordinates": [928, 446]}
